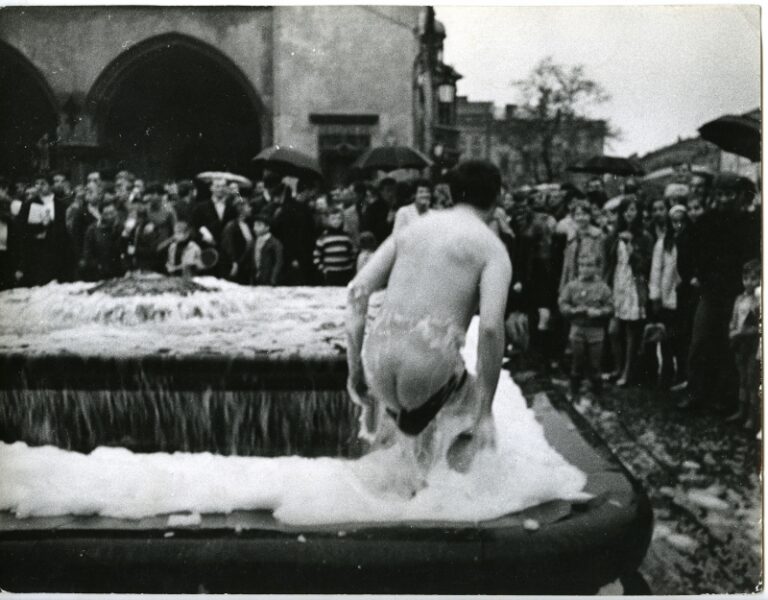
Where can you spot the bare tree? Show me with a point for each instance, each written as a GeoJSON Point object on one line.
{"type": "Point", "coordinates": [555, 99]}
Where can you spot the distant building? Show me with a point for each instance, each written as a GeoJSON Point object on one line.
{"type": "Point", "coordinates": [435, 108]}
{"type": "Point", "coordinates": [508, 140]}
{"type": "Point", "coordinates": [689, 151]}
{"type": "Point", "coordinates": [167, 91]}
{"type": "Point", "coordinates": [685, 153]}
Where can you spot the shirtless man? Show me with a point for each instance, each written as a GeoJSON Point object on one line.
{"type": "Point", "coordinates": [437, 272]}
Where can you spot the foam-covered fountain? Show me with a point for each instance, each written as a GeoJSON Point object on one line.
{"type": "Point", "coordinates": [214, 443]}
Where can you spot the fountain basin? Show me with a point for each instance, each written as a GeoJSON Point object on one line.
{"type": "Point", "coordinates": [272, 360]}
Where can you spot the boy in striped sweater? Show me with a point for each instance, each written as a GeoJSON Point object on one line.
{"type": "Point", "coordinates": [334, 253]}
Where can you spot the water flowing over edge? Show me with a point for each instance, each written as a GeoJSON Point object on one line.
{"type": "Point", "coordinates": [523, 471]}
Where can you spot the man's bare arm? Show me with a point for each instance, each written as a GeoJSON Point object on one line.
{"type": "Point", "coordinates": [494, 286]}
{"type": "Point", "coordinates": [373, 276]}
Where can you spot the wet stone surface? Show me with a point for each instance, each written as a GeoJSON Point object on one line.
{"type": "Point", "coordinates": [702, 476]}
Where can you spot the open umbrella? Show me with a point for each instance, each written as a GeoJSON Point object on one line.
{"type": "Point", "coordinates": [737, 134]}
{"type": "Point", "coordinates": [286, 160]}
{"type": "Point", "coordinates": [390, 158]}
{"type": "Point", "coordinates": [229, 177]}
{"type": "Point", "coordinates": [600, 165]}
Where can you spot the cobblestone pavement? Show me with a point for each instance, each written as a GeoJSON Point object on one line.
{"type": "Point", "coordinates": [702, 476]}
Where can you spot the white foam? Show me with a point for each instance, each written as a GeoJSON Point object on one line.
{"type": "Point", "coordinates": [522, 471]}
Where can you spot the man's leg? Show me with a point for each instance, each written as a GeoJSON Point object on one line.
{"type": "Point", "coordinates": [595, 352]}
{"type": "Point", "coordinates": [700, 367]}
{"type": "Point", "coordinates": [579, 360]}
{"type": "Point", "coordinates": [726, 391]}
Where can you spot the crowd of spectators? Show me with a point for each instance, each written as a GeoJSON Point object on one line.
{"type": "Point", "coordinates": [270, 233]}
{"type": "Point", "coordinates": [668, 281]}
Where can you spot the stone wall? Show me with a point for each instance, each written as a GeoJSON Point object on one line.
{"type": "Point", "coordinates": [344, 60]}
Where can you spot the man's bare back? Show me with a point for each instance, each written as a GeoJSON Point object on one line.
{"type": "Point", "coordinates": [432, 294]}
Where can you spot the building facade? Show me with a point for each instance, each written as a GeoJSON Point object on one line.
{"type": "Point", "coordinates": [169, 91]}
{"type": "Point", "coordinates": [510, 142]}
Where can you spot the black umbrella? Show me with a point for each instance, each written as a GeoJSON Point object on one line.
{"type": "Point", "coordinates": [288, 161]}
{"type": "Point", "coordinates": [600, 165]}
{"type": "Point", "coordinates": [391, 158]}
{"type": "Point", "coordinates": [739, 135]}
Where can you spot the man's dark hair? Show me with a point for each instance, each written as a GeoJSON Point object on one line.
{"type": "Point", "coordinates": [387, 181]}
{"type": "Point", "coordinates": [263, 217]}
{"type": "Point", "coordinates": [154, 187]}
{"type": "Point", "coordinates": [368, 241]}
{"type": "Point", "coordinates": [478, 183]}
{"type": "Point", "coordinates": [359, 188]}
{"type": "Point", "coordinates": [43, 175]}
{"type": "Point", "coordinates": [598, 197]}
{"type": "Point", "coordinates": [752, 268]}
{"type": "Point", "coordinates": [422, 183]}
{"type": "Point", "coordinates": [186, 187]}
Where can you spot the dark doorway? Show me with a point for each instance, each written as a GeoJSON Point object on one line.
{"type": "Point", "coordinates": [27, 113]}
{"type": "Point", "coordinates": [175, 111]}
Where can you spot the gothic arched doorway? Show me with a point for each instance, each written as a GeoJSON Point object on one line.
{"type": "Point", "coordinates": [27, 112]}
{"type": "Point", "coordinates": [172, 106]}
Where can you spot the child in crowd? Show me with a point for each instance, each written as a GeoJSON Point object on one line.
{"type": "Point", "coordinates": [183, 253]}
{"type": "Point", "coordinates": [744, 332]}
{"type": "Point", "coordinates": [267, 268]}
{"type": "Point", "coordinates": [367, 248]}
{"type": "Point", "coordinates": [587, 302]}
{"type": "Point", "coordinates": [334, 254]}
{"type": "Point", "coordinates": [584, 239]}
{"type": "Point", "coordinates": [628, 263]}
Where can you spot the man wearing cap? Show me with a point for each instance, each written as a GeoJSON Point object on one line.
{"type": "Point", "coordinates": [722, 240]}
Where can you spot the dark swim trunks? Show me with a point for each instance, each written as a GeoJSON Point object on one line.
{"type": "Point", "coordinates": [413, 422]}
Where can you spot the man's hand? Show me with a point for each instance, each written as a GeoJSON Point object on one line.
{"type": "Point", "coordinates": [358, 388]}
{"type": "Point", "coordinates": [465, 447]}
{"type": "Point", "coordinates": [593, 312]}
{"type": "Point", "coordinates": [18, 275]}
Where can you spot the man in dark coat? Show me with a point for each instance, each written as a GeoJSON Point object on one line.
{"type": "Point", "coordinates": [721, 241]}
{"type": "Point", "coordinates": [236, 241]}
{"type": "Point", "coordinates": [103, 246]}
{"type": "Point", "coordinates": [294, 226]}
{"type": "Point", "coordinates": [45, 252]}
{"type": "Point", "coordinates": [376, 215]}
{"type": "Point", "coordinates": [209, 218]}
